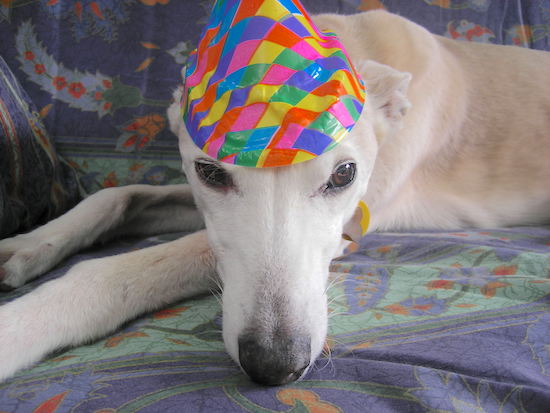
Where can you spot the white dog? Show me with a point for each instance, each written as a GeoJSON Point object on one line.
{"type": "Point", "coordinates": [452, 135]}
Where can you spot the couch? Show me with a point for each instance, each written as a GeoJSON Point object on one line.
{"type": "Point", "coordinates": [452, 321]}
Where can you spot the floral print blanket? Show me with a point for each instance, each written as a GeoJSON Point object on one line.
{"type": "Point", "coordinates": [424, 321]}
{"type": "Point", "coordinates": [102, 72]}
{"type": "Point", "coordinates": [419, 322]}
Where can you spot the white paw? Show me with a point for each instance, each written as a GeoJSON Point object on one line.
{"type": "Point", "coordinates": [32, 326]}
{"type": "Point", "coordinates": [13, 338]}
{"type": "Point", "coordinates": [23, 258]}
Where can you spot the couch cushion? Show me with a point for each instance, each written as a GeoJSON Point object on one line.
{"type": "Point", "coordinates": [36, 184]}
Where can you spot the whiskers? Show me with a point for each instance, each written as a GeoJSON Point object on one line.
{"type": "Point", "coordinates": [217, 291]}
{"type": "Point", "coordinates": [327, 353]}
{"type": "Point", "coordinates": [338, 299]}
{"type": "Point", "coordinates": [336, 280]}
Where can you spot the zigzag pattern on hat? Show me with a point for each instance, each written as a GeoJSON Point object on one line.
{"type": "Point", "coordinates": [266, 88]}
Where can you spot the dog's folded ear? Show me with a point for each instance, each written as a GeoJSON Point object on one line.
{"type": "Point", "coordinates": [387, 95]}
{"type": "Point", "coordinates": [174, 111]}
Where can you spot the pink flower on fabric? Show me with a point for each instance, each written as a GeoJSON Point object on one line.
{"type": "Point", "coordinates": [39, 68]}
{"type": "Point", "coordinates": [59, 82]}
{"type": "Point", "coordinates": [77, 89]}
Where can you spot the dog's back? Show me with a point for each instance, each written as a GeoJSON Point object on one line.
{"type": "Point", "coordinates": [474, 148]}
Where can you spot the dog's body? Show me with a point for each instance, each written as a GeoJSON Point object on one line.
{"type": "Point", "coordinates": [472, 150]}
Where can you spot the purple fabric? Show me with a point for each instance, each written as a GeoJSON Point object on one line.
{"type": "Point", "coordinates": [102, 72]}
{"type": "Point", "coordinates": [424, 321]}
{"type": "Point", "coordinates": [419, 321]}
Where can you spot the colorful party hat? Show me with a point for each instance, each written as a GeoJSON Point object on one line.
{"type": "Point", "coordinates": [266, 87]}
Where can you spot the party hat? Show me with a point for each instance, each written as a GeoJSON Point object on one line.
{"type": "Point", "coordinates": [266, 87]}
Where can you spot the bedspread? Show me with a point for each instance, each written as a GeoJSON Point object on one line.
{"type": "Point", "coordinates": [424, 321]}
{"type": "Point", "coordinates": [102, 72]}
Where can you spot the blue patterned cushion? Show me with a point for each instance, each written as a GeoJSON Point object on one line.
{"type": "Point", "coordinates": [36, 184]}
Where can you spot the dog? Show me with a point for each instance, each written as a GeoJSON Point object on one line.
{"type": "Point", "coordinates": [452, 135]}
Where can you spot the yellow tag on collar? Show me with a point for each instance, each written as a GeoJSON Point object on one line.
{"type": "Point", "coordinates": [358, 225]}
{"type": "Point", "coordinates": [365, 217]}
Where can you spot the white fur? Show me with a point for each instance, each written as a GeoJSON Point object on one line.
{"type": "Point", "coordinates": [452, 135]}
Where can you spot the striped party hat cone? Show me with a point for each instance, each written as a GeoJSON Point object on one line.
{"type": "Point", "coordinates": [267, 88]}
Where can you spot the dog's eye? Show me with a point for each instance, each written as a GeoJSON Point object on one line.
{"type": "Point", "coordinates": [342, 176]}
{"type": "Point", "coordinates": [213, 175]}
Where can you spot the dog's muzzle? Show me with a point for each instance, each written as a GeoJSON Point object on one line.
{"type": "Point", "coordinates": [274, 361]}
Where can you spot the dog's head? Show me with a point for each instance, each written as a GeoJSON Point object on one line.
{"type": "Point", "coordinates": [274, 232]}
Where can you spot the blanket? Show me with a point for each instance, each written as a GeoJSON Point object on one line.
{"type": "Point", "coordinates": [422, 321]}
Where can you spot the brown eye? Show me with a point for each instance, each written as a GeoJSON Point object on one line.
{"type": "Point", "coordinates": [342, 176]}
{"type": "Point", "coordinates": [213, 175]}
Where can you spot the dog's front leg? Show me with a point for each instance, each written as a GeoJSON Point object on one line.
{"type": "Point", "coordinates": [97, 296]}
{"type": "Point", "coordinates": [128, 210]}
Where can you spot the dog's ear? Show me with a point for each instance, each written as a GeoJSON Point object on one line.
{"type": "Point", "coordinates": [174, 111]}
{"type": "Point", "coordinates": [387, 95]}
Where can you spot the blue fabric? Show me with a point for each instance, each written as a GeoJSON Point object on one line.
{"type": "Point", "coordinates": [445, 321]}
{"type": "Point", "coordinates": [35, 184]}
{"type": "Point", "coordinates": [419, 322]}
{"type": "Point", "coordinates": [102, 72]}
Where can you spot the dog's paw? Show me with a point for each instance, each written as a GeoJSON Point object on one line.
{"type": "Point", "coordinates": [12, 342]}
{"type": "Point", "coordinates": [8, 248]}
{"type": "Point", "coordinates": [5, 256]}
{"type": "Point", "coordinates": [21, 259]}
{"type": "Point", "coordinates": [24, 338]}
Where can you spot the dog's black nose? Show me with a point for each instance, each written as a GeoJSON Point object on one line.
{"type": "Point", "coordinates": [274, 362]}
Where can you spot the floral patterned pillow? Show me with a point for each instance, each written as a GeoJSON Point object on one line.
{"type": "Point", "coordinates": [35, 183]}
